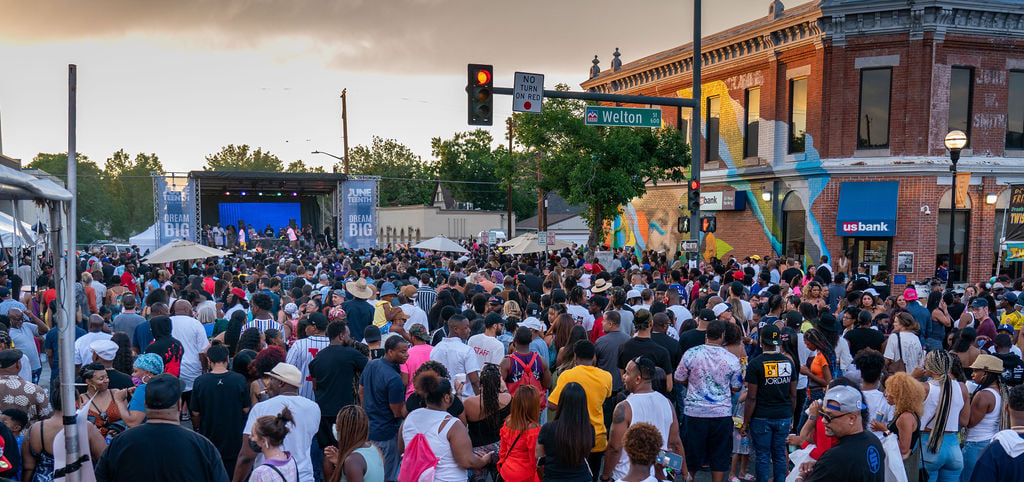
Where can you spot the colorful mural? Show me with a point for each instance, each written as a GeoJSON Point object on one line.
{"type": "Point", "coordinates": [661, 207]}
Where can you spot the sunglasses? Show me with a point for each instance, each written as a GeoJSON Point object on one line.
{"type": "Point", "coordinates": [829, 418]}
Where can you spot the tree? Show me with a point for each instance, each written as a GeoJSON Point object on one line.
{"type": "Point", "coordinates": [601, 167]}
{"type": "Point", "coordinates": [390, 158]}
{"type": "Point", "coordinates": [468, 157]}
{"type": "Point", "coordinates": [93, 218]}
{"type": "Point", "coordinates": [299, 166]}
{"type": "Point", "coordinates": [130, 191]}
{"type": "Point", "coordinates": [241, 158]}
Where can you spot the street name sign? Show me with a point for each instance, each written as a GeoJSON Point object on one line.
{"type": "Point", "coordinates": [597, 115]}
{"type": "Point", "coordinates": [528, 92]}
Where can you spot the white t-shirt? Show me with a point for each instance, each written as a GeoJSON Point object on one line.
{"type": "Point", "coordinates": [877, 403]}
{"type": "Point", "coordinates": [804, 353]}
{"type": "Point", "coordinates": [458, 358]}
{"type": "Point", "coordinates": [192, 335]}
{"type": "Point", "coordinates": [682, 314]}
{"type": "Point", "coordinates": [416, 316]}
{"type": "Point", "coordinates": [83, 354]}
{"type": "Point", "coordinates": [581, 316]}
{"type": "Point", "coordinates": [487, 348]}
{"type": "Point", "coordinates": [299, 356]}
{"type": "Point", "coordinates": [913, 354]}
{"type": "Point", "coordinates": [300, 435]}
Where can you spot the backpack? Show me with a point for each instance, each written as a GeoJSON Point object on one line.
{"type": "Point", "coordinates": [418, 461]}
{"type": "Point", "coordinates": [528, 378]}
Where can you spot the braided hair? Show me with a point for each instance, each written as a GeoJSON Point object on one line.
{"type": "Point", "coordinates": [938, 362]}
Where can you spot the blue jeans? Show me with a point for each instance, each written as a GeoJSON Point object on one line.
{"type": "Point", "coordinates": [813, 394]}
{"type": "Point", "coordinates": [946, 464]}
{"type": "Point", "coordinates": [36, 373]}
{"type": "Point", "coordinates": [769, 438]}
{"type": "Point", "coordinates": [971, 452]}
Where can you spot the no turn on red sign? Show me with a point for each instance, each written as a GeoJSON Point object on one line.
{"type": "Point", "coordinates": [528, 92]}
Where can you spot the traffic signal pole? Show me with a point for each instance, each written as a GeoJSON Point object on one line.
{"type": "Point", "coordinates": [695, 136]}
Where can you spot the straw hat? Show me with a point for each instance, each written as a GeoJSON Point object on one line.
{"type": "Point", "coordinates": [360, 289]}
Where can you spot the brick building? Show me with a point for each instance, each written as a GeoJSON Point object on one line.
{"type": "Point", "coordinates": [823, 132]}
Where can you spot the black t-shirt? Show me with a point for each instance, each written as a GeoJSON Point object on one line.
{"type": "Point", "coordinates": [334, 369]}
{"type": "Point", "coordinates": [690, 339]}
{"type": "Point", "coordinates": [11, 452]}
{"type": "Point", "coordinates": [637, 346]}
{"type": "Point", "coordinates": [675, 352]}
{"type": "Point", "coordinates": [854, 457]}
{"type": "Point", "coordinates": [415, 401]}
{"type": "Point", "coordinates": [161, 451]}
{"type": "Point", "coordinates": [772, 373]}
{"type": "Point", "coordinates": [119, 380]}
{"type": "Point", "coordinates": [1013, 368]}
{"type": "Point", "coordinates": [554, 469]}
{"type": "Point", "coordinates": [219, 398]}
{"type": "Point", "coordinates": [861, 338]}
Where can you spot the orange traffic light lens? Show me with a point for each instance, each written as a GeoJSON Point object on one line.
{"type": "Point", "coordinates": [483, 77]}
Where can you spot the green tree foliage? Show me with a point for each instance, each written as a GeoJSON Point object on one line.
{"type": "Point", "coordinates": [468, 156]}
{"type": "Point", "coordinates": [390, 158]}
{"type": "Point", "coordinates": [93, 218]}
{"type": "Point", "coordinates": [243, 158]}
{"type": "Point", "coordinates": [130, 192]}
{"type": "Point", "coordinates": [300, 166]}
{"type": "Point", "coordinates": [600, 167]}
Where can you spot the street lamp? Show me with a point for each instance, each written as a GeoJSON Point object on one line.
{"type": "Point", "coordinates": [336, 157]}
{"type": "Point", "coordinates": [955, 141]}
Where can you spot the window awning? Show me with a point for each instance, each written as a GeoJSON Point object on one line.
{"type": "Point", "coordinates": [867, 209]}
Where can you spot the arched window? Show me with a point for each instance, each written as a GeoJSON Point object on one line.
{"type": "Point", "coordinates": [958, 266]}
{"type": "Point", "coordinates": [794, 226]}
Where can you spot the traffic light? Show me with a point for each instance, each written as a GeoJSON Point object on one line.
{"type": "Point", "coordinates": [693, 195]}
{"type": "Point", "coordinates": [480, 90]}
{"type": "Point", "coordinates": [683, 224]}
{"type": "Point", "coordinates": [708, 224]}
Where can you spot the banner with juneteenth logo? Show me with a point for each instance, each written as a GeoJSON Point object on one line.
{"type": "Point", "coordinates": [1015, 215]}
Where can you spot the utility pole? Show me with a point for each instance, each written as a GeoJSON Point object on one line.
{"type": "Point", "coordinates": [508, 202]}
{"type": "Point", "coordinates": [695, 152]}
{"type": "Point", "coordinates": [67, 328]}
{"type": "Point", "coordinates": [344, 127]}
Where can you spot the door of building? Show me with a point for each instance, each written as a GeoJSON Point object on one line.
{"type": "Point", "coordinates": [876, 252]}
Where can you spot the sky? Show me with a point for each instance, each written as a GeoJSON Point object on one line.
{"type": "Point", "coordinates": [182, 79]}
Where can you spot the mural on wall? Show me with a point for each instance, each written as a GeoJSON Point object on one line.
{"type": "Point", "coordinates": [661, 205]}
{"type": "Point", "coordinates": [631, 228]}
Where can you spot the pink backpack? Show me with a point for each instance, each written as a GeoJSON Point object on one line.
{"type": "Point", "coordinates": [418, 460]}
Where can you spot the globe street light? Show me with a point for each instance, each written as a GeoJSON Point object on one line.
{"type": "Point", "coordinates": [954, 142]}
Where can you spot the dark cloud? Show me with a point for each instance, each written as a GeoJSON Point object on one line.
{"type": "Point", "coordinates": [390, 36]}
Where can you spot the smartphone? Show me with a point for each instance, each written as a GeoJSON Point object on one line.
{"type": "Point", "coordinates": [879, 416]}
{"type": "Point", "coordinates": [981, 343]}
{"type": "Point", "coordinates": [671, 460]}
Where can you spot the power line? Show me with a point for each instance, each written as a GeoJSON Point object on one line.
{"type": "Point", "coordinates": [448, 181]}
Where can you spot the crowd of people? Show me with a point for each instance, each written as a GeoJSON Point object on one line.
{"type": "Point", "coordinates": [312, 364]}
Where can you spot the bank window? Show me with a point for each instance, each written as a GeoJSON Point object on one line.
{"type": "Point", "coordinates": [873, 124]}
{"type": "Point", "coordinates": [753, 103]}
{"type": "Point", "coordinates": [713, 111]}
{"type": "Point", "coordinates": [797, 114]}
{"type": "Point", "coordinates": [1015, 115]}
{"type": "Point", "coordinates": [961, 90]}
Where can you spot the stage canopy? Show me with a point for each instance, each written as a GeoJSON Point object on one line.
{"type": "Point", "coordinates": [301, 183]}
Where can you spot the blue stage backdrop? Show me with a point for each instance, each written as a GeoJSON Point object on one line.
{"type": "Point", "coordinates": [260, 214]}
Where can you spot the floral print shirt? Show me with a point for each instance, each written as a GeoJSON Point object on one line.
{"type": "Point", "coordinates": [711, 372]}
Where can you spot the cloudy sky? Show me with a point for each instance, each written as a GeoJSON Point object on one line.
{"type": "Point", "coordinates": [183, 78]}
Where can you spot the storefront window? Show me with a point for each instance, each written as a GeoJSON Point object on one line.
{"type": "Point", "coordinates": [961, 86]}
{"type": "Point", "coordinates": [876, 252]}
{"type": "Point", "coordinates": [958, 266]}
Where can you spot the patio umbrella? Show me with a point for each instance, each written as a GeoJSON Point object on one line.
{"type": "Point", "coordinates": [518, 239]}
{"type": "Point", "coordinates": [182, 250]}
{"type": "Point", "coordinates": [528, 244]}
{"type": "Point", "coordinates": [440, 243]}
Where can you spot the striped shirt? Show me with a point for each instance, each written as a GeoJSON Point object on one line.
{"type": "Point", "coordinates": [263, 325]}
{"type": "Point", "coordinates": [300, 354]}
{"type": "Point", "coordinates": [425, 297]}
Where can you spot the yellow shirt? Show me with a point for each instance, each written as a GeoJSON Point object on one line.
{"type": "Point", "coordinates": [1016, 319]}
{"type": "Point", "coordinates": [598, 385]}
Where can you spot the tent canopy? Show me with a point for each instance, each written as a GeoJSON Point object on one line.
{"type": "Point", "coordinates": [15, 184]}
{"type": "Point", "coordinates": [440, 243]}
{"type": "Point", "coordinates": [183, 250]}
{"type": "Point", "coordinates": [146, 240]}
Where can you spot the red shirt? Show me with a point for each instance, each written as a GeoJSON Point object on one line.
{"type": "Point", "coordinates": [598, 330]}
{"type": "Point", "coordinates": [128, 281]}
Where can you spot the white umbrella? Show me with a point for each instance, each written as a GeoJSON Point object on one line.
{"type": "Point", "coordinates": [440, 243]}
{"type": "Point", "coordinates": [518, 239]}
{"type": "Point", "coordinates": [528, 244]}
{"type": "Point", "coordinates": [183, 250]}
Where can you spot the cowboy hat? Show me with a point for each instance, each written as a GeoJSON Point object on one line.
{"type": "Point", "coordinates": [600, 286]}
{"type": "Point", "coordinates": [359, 289]}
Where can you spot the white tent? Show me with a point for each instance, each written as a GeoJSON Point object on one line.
{"type": "Point", "coordinates": [440, 243]}
{"type": "Point", "coordinates": [146, 240]}
{"type": "Point", "coordinates": [7, 234]}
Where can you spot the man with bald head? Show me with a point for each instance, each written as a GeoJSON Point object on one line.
{"type": "Point", "coordinates": [83, 354]}
{"type": "Point", "coordinates": [190, 332]}
{"type": "Point", "coordinates": [24, 336]}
